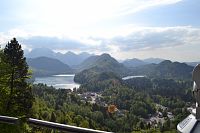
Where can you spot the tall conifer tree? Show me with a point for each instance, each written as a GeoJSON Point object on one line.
{"type": "Point", "coordinates": [20, 96]}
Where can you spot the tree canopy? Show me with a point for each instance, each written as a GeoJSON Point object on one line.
{"type": "Point", "coordinates": [16, 93]}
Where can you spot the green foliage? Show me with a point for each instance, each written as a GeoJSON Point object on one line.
{"type": "Point", "coordinates": [103, 63]}
{"type": "Point", "coordinates": [19, 96]}
{"type": "Point", "coordinates": [134, 105]}
{"type": "Point", "coordinates": [165, 69]}
{"type": "Point", "coordinates": [4, 76]}
{"type": "Point", "coordinates": [94, 66]}
{"type": "Point", "coordinates": [135, 99]}
{"type": "Point", "coordinates": [92, 81]}
{"type": "Point", "coordinates": [15, 92]}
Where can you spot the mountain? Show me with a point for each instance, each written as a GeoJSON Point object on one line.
{"type": "Point", "coordinates": [104, 62]}
{"type": "Point", "coordinates": [68, 58]}
{"type": "Point", "coordinates": [45, 66]}
{"type": "Point", "coordinates": [95, 65]}
{"type": "Point", "coordinates": [39, 52]}
{"type": "Point", "coordinates": [137, 62]}
{"type": "Point", "coordinates": [133, 62]}
{"type": "Point", "coordinates": [153, 60]}
{"type": "Point", "coordinates": [165, 69]}
{"type": "Point", "coordinates": [71, 58]}
{"type": "Point", "coordinates": [192, 63]}
{"type": "Point", "coordinates": [88, 63]}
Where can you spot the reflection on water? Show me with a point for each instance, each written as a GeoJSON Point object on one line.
{"type": "Point", "coordinates": [65, 81]}
{"type": "Point", "coordinates": [130, 77]}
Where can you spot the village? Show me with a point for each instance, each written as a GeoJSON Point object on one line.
{"type": "Point", "coordinates": [162, 113]}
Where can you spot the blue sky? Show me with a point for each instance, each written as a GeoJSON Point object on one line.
{"type": "Point", "coordinates": [167, 29]}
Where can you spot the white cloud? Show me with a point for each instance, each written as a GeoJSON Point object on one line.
{"type": "Point", "coordinates": [2, 38]}
{"type": "Point", "coordinates": [157, 37]}
{"type": "Point", "coordinates": [176, 43]}
{"type": "Point", "coordinates": [90, 41]}
{"type": "Point", "coordinates": [140, 42]}
{"type": "Point", "coordinates": [75, 17]}
{"type": "Point", "coordinates": [93, 26]}
{"type": "Point", "coordinates": [139, 5]}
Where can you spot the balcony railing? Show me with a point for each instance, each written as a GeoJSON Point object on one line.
{"type": "Point", "coordinates": [52, 125]}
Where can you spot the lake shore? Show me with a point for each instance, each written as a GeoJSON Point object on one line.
{"type": "Point", "coordinates": [63, 81]}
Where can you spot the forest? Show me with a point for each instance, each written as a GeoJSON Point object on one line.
{"type": "Point", "coordinates": [123, 106]}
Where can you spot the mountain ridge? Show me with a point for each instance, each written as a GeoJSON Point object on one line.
{"type": "Point", "coordinates": [100, 64]}
{"type": "Point", "coordinates": [101, 61]}
{"type": "Point", "coordinates": [45, 66]}
{"type": "Point", "coordinates": [68, 58]}
{"type": "Point", "coordinates": [165, 69]}
{"type": "Point", "coordinates": [134, 62]}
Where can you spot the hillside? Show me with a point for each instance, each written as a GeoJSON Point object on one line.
{"type": "Point", "coordinates": [91, 76]}
{"type": "Point", "coordinates": [99, 64]}
{"type": "Point", "coordinates": [45, 66]}
{"type": "Point", "coordinates": [165, 69]}
{"type": "Point", "coordinates": [102, 63]}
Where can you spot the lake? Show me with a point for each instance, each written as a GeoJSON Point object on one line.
{"type": "Point", "coordinates": [130, 77]}
{"type": "Point", "coordinates": [65, 81]}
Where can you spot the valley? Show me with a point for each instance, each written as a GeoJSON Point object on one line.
{"type": "Point", "coordinates": [102, 93]}
{"type": "Point", "coordinates": [117, 66]}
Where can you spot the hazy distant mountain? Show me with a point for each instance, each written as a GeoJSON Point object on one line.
{"type": "Point", "coordinates": [45, 66]}
{"type": "Point", "coordinates": [192, 63]}
{"type": "Point", "coordinates": [39, 52]}
{"type": "Point", "coordinates": [134, 62]}
{"type": "Point", "coordinates": [165, 69]}
{"type": "Point", "coordinates": [71, 58]}
{"type": "Point", "coordinates": [137, 62]}
{"type": "Point", "coordinates": [153, 60]}
{"type": "Point", "coordinates": [68, 58]}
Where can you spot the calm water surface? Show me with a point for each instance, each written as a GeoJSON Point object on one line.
{"type": "Point", "coordinates": [131, 77]}
{"type": "Point", "coordinates": [65, 81]}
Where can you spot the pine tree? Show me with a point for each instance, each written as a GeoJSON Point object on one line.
{"type": "Point", "coordinates": [20, 96]}
{"type": "Point", "coordinates": [4, 69]}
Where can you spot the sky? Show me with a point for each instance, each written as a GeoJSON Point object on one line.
{"type": "Point", "coordinates": [126, 29]}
